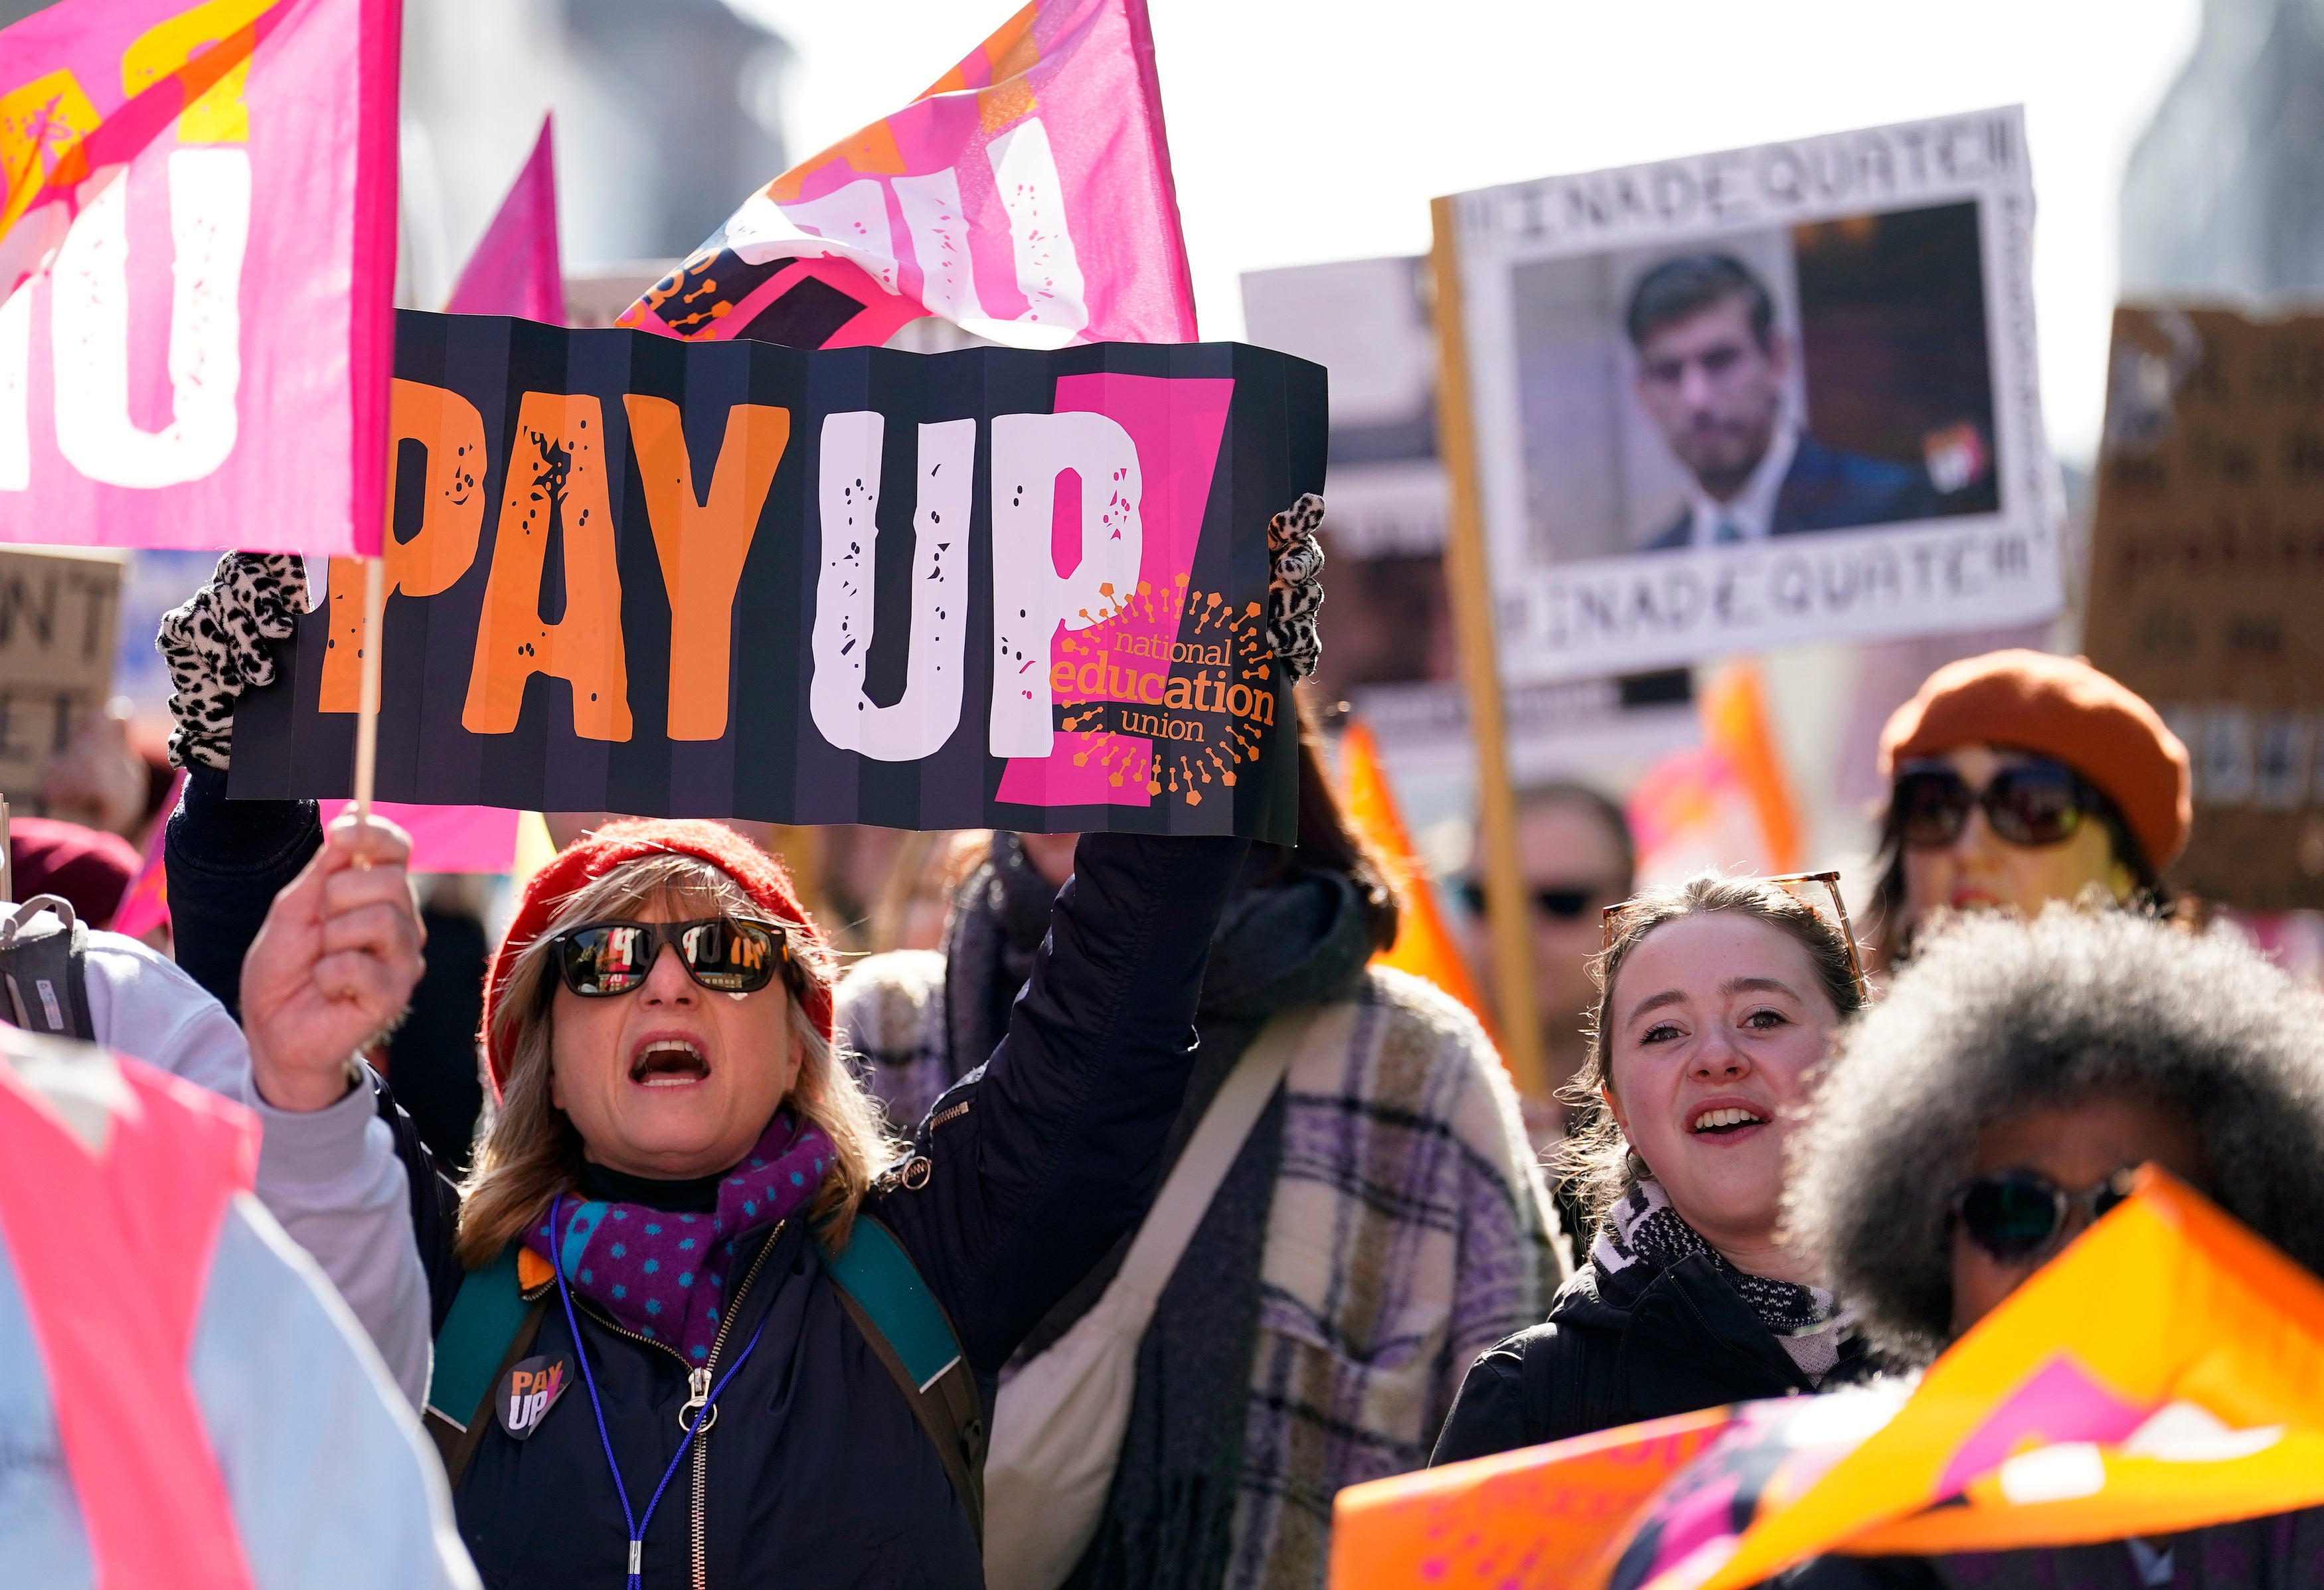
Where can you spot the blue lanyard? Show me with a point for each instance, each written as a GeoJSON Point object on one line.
{"type": "Point", "coordinates": [637, 1525]}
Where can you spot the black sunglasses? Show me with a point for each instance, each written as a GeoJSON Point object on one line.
{"type": "Point", "coordinates": [2032, 803]}
{"type": "Point", "coordinates": [2014, 1215]}
{"type": "Point", "coordinates": [726, 954]}
{"type": "Point", "coordinates": [1563, 905]}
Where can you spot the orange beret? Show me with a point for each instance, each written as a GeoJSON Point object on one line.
{"type": "Point", "coordinates": [2064, 708]}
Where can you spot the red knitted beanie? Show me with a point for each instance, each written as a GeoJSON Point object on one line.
{"type": "Point", "coordinates": [2064, 708]}
{"type": "Point", "coordinates": [764, 878]}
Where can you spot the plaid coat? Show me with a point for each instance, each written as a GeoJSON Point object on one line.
{"type": "Point", "coordinates": [1409, 1231]}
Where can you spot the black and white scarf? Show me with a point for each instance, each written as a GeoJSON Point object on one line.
{"type": "Point", "coordinates": [1643, 1229]}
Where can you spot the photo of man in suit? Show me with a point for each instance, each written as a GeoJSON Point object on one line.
{"type": "Point", "coordinates": [1713, 369]}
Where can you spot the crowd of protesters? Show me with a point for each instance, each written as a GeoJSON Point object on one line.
{"type": "Point", "coordinates": [1105, 1245]}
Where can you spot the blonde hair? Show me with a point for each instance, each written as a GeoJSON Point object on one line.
{"type": "Point", "coordinates": [531, 1152]}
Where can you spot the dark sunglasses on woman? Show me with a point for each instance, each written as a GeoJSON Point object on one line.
{"type": "Point", "coordinates": [2030, 804]}
{"type": "Point", "coordinates": [2015, 1215]}
{"type": "Point", "coordinates": [726, 954]}
{"type": "Point", "coordinates": [1561, 902]}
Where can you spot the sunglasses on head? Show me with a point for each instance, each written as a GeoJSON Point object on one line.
{"type": "Point", "coordinates": [1824, 886]}
{"type": "Point", "coordinates": [2031, 804]}
{"type": "Point", "coordinates": [726, 954]}
{"type": "Point", "coordinates": [2017, 1215]}
{"type": "Point", "coordinates": [1562, 903]}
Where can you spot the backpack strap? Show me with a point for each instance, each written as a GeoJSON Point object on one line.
{"type": "Point", "coordinates": [44, 974]}
{"type": "Point", "coordinates": [491, 1327]}
{"type": "Point", "coordinates": [909, 1332]}
{"type": "Point", "coordinates": [489, 1330]}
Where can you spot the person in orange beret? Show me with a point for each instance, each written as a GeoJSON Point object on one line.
{"type": "Point", "coordinates": [2019, 777]}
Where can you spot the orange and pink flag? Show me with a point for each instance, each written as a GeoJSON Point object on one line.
{"type": "Point", "coordinates": [1026, 197]}
{"type": "Point", "coordinates": [197, 257]}
{"type": "Point", "coordinates": [2163, 1373]}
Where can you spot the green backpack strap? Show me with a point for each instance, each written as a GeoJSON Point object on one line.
{"type": "Point", "coordinates": [488, 1330]}
{"type": "Point", "coordinates": [906, 1326]}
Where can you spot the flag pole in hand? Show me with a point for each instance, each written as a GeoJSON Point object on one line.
{"type": "Point", "coordinates": [367, 709]}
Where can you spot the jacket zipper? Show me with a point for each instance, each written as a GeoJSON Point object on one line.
{"type": "Point", "coordinates": [697, 1383]}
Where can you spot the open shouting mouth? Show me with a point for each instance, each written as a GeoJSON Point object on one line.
{"type": "Point", "coordinates": [668, 1061]}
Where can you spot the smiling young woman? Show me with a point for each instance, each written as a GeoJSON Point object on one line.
{"type": "Point", "coordinates": [1719, 1000]}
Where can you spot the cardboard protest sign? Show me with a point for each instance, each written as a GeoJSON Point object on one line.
{"type": "Point", "coordinates": [1025, 195]}
{"type": "Point", "coordinates": [990, 588]}
{"type": "Point", "coordinates": [57, 614]}
{"type": "Point", "coordinates": [1757, 397]}
{"type": "Point", "coordinates": [2207, 574]}
{"type": "Point", "coordinates": [199, 237]}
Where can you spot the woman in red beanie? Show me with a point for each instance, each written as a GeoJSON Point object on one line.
{"type": "Point", "coordinates": [2019, 777]}
{"type": "Point", "coordinates": [652, 1232]}
{"type": "Point", "coordinates": [698, 1319]}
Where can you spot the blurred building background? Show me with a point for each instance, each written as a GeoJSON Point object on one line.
{"type": "Point", "coordinates": [2225, 191]}
{"type": "Point", "coordinates": [667, 115]}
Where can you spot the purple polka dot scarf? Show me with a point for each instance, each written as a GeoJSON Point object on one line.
{"type": "Point", "coordinates": [665, 1276]}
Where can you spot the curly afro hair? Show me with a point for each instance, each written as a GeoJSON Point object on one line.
{"type": "Point", "coordinates": [1998, 1015]}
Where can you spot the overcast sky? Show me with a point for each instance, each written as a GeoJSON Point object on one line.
{"type": "Point", "coordinates": [1308, 130]}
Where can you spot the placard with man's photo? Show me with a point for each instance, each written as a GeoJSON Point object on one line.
{"type": "Point", "coordinates": [1761, 397]}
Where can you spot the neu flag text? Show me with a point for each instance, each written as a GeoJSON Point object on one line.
{"type": "Point", "coordinates": [197, 245]}
{"type": "Point", "coordinates": [997, 588]}
{"type": "Point", "coordinates": [1025, 197]}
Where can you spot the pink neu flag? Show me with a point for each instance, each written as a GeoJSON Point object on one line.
{"type": "Point", "coordinates": [1026, 197]}
{"type": "Point", "coordinates": [196, 254]}
{"type": "Point", "coordinates": [516, 269]}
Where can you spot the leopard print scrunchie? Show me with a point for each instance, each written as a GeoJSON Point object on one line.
{"type": "Point", "coordinates": [216, 647]}
{"type": "Point", "coordinates": [1296, 594]}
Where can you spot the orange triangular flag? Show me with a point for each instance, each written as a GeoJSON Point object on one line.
{"type": "Point", "coordinates": [1422, 946]}
{"type": "Point", "coordinates": [1535, 1519]}
{"type": "Point", "coordinates": [2164, 1373]}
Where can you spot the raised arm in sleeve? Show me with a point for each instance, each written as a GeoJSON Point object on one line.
{"type": "Point", "coordinates": [1056, 1154]}
{"type": "Point", "coordinates": [227, 861]}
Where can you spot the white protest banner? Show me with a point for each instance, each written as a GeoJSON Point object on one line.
{"type": "Point", "coordinates": [1759, 398]}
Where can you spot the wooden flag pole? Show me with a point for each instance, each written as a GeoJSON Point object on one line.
{"type": "Point", "coordinates": [367, 707]}
{"type": "Point", "coordinates": [1468, 584]}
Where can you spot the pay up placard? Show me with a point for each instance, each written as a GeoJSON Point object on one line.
{"type": "Point", "coordinates": [989, 588]}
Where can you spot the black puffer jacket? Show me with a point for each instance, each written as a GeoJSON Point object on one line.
{"type": "Point", "coordinates": [817, 1472]}
{"type": "Point", "coordinates": [1621, 1346]}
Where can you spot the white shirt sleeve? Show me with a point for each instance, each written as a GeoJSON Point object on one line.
{"type": "Point", "coordinates": [330, 1176]}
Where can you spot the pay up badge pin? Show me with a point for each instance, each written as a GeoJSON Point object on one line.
{"type": "Point", "coordinates": [529, 1391]}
